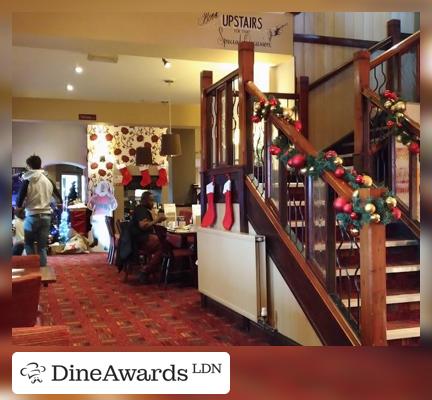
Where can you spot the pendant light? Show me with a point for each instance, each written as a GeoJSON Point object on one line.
{"type": "Point", "coordinates": [171, 145]}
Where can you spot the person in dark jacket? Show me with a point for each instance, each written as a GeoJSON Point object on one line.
{"type": "Point", "coordinates": [35, 193]}
{"type": "Point", "coordinates": [143, 233]}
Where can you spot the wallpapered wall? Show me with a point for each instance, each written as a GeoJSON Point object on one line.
{"type": "Point", "coordinates": [109, 146]}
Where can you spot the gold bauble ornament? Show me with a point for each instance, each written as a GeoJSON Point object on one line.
{"type": "Point", "coordinates": [287, 112]}
{"type": "Point", "coordinates": [354, 232]}
{"type": "Point", "coordinates": [355, 193]}
{"type": "Point", "coordinates": [387, 104]}
{"type": "Point", "coordinates": [376, 218]}
{"type": "Point", "coordinates": [399, 115]}
{"type": "Point", "coordinates": [399, 138]}
{"type": "Point", "coordinates": [338, 161]}
{"type": "Point", "coordinates": [391, 202]}
{"type": "Point", "coordinates": [367, 181]}
{"type": "Point", "coordinates": [408, 143]}
{"type": "Point", "coordinates": [370, 208]}
{"type": "Point", "coordinates": [400, 106]}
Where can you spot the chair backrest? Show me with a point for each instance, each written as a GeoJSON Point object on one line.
{"type": "Point", "coordinates": [25, 300]}
{"type": "Point", "coordinates": [30, 261]}
{"type": "Point", "coordinates": [55, 335]}
{"type": "Point", "coordinates": [109, 221]}
{"type": "Point", "coordinates": [187, 214]}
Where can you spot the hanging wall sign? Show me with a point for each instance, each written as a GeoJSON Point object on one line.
{"type": "Point", "coordinates": [268, 31]}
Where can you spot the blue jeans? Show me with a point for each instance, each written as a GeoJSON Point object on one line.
{"type": "Point", "coordinates": [36, 229]}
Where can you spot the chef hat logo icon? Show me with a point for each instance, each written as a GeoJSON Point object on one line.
{"type": "Point", "coordinates": [33, 371]}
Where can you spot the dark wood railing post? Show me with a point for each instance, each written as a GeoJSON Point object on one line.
{"type": "Point", "coordinates": [373, 315]}
{"type": "Point", "coordinates": [393, 64]}
{"type": "Point", "coordinates": [362, 158]}
{"type": "Point", "coordinates": [303, 91]}
{"type": "Point", "coordinates": [205, 82]}
{"type": "Point", "coordinates": [246, 64]}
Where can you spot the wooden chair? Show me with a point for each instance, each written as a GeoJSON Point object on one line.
{"type": "Point", "coordinates": [172, 252]}
{"type": "Point", "coordinates": [25, 300]}
{"type": "Point", "coordinates": [56, 335]}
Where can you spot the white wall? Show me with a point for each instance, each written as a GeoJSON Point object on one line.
{"type": "Point", "coordinates": [53, 142]}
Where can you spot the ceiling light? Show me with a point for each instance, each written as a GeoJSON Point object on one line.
{"type": "Point", "coordinates": [166, 63]}
{"type": "Point", "coordinates": [78, 69]}
{"type": "Point", "coordinates": [69, 87]}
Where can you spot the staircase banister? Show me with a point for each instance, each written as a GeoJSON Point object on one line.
{"type": "Point", "coordinates": [375, 99]}
{"type": "Point", "coordinates": [400, 47]}
{"type": "Point", "coordinates": [221, 82]}
{"type": "Point", "coordinates": [302, 144]}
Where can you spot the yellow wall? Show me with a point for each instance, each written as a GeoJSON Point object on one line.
{"type": "Point", "coordinates": [146, 114]}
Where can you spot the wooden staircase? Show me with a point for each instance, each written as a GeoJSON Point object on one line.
{"type": "Point", "coordinates": [352, 292]}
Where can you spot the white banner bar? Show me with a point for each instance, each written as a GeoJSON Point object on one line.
{"type": "Point", "coordinates": [121, 373]}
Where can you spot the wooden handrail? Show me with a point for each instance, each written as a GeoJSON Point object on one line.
{"type": "Point", "coordinates": [374, 98]}
{"type": "Point", "coordinates": [302, 144]}
{"type": "Point", "coordinates": [221, 82]}
{"type": "Point", "coordinates": [398, 48]}
{"type": "Point", "coordinates": [331, 74]}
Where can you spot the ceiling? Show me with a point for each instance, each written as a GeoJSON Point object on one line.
{"type": "Point", "coordinates": [44, 73]}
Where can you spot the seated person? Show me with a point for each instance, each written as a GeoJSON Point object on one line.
{"type": "Point", "coordinates": [144, 236]}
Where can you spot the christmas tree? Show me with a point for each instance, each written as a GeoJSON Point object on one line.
{"type": "Point", "coordinates": [73, 194]}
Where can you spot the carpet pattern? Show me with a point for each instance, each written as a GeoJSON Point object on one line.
{"type": "Point", "coordinates": [91, 298]}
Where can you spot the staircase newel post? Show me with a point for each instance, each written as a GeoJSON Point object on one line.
{"type": "Point", "coordinates": [362, 158]}
{"type": "Point", "coordinates": [373, 313]}
{"type": "Point", "coordinates": [205, 82]}
{"type": "Point", "coordinates": [393, 82]}
{"type": "Point", "coordinates": [303, 91]}
{"type": "Point", "coordinates": [246, 64]}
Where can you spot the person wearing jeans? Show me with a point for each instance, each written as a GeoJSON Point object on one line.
{"type": "Point", "coordinates": [36, 193]}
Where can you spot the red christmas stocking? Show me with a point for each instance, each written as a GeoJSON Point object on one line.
{"type": "Point", "coordinates": [229, 214]}
{"type": "Point", "coordinates": [127, 177]}
{"type": "Point", "coordinates": [145, 176]}
{"type": "Point", "coordinates": [210, 214]}
{"type": "Point", "coordinates": [162, 178]}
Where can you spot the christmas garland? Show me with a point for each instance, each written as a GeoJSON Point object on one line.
{"type": "Point", "coordinates": [352, 214]}
{"type": "Point", "coordinates": [395, 121]}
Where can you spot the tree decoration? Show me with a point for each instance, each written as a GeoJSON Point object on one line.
{"type": "Point", "coordinates": [263, 108]}
{"type": "Point", "coordinates": [395, 122]}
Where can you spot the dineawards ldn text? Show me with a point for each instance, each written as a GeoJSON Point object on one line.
{"type": "Point", "coordinates": [112, 374]}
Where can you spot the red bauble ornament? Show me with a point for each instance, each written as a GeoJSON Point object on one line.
{"type": "Point", "coordinates": [347, 208]}
{"type": "Point", "coordinates": [109, 137]}
{"type": "Point", "coordinates": [354, 172]}
{"type": "Point", "coordinates": [339, 203]}
{"type": "Point", "coordinates": [359, 179]}
{"type": "Point", "coordinates": [414, 148]}
{"type": "Point", "coordinates": [298, 125]}
{"type": "Point", "coordinates": [390, 123]}
{"type": "Point", "coordinates": [273, 102]}
{"type": "Point", "coordinates": [298, 161]}
{"type": "Point", "coordinates": [397, 213]}
{"type": "Point", "coordinates": [330, 154]}
{"type": "Point", "coordinates": [339, 172]}
{"type": "Point", "coordinates": [262, 102]}
{"type": "Point", "coordinates": [256, 118]}
{"type": "Point", "coordinates": [274, 150]}
{"type": "Point", "coordinates": [354, 215]}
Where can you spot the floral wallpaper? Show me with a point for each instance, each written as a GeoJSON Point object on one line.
{"type": "Point", "coordinates": [109, 146]}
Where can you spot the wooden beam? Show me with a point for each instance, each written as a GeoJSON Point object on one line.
{"type": "Point", "coordinates": [393, 65]}
{"type": "Point", "coordinates": [205, 82]}
{"type": "Point", "coordinates": [333, 41]}
{"type": "Point", "coordinates": [303, 90]}
{"type": "Point", "coordinates": [246, 63]}
{"type": "Point", "coordinates": [373, 314]}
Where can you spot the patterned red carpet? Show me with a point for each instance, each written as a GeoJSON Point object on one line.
{"type": "Point", "coordinates": [100, 309]}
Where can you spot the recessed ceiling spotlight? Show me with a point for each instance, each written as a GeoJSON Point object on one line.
{"type": "Point", "coordinates": [69, 87]}
{"type": "Point", "coordinates": [78, 69]}
{"type": "Point", "coordinates": [166, 63]}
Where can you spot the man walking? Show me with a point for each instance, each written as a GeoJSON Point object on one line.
{"type": "Point", "coordinates": [36, 191]}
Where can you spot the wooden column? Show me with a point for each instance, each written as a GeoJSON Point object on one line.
{"type": "Point", "coordinates": [246, 63]}
{"type": "Point", "coordinates": [362, 159]}
{"type": "Point", "coordinates": [393, 64]}
{"type": "Point", "coordinates": [303, 91]}
{"type": "Point", "coordinates": [206, 81]}
{"type": "Point", "coordinates": [373, 314]}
